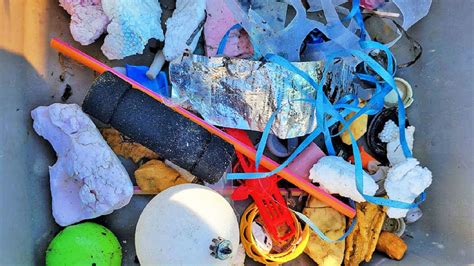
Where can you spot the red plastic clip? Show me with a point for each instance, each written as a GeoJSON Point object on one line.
{"type": "Point", "coordinates": [276, 216]}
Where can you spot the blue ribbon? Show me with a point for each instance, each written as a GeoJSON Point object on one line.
{"type": "Point", "coordinates": [355, 13]}
{"type": "Point", "coordinates": [315, 228]}
{"type": "Point", "coordinates": [223, 43]}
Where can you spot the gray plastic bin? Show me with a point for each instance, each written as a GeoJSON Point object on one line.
{"type": "Point", "coordinates": [31, 74]}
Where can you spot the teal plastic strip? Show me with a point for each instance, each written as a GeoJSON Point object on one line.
{"type": "Point", "coordinates": [316, 229]}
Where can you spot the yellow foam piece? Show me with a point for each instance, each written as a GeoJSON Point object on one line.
{"type": "Point", "coordinates": [358, 127]}
{"type": "Point", "coordinates": [333, 225]}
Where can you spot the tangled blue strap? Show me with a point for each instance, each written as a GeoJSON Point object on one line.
{"type": "Point", "coordinates": [325, 107]}
{"type": "Point", "coordinates": [298, 150]}
{"type": "Point", "coordinates": [328, 114]}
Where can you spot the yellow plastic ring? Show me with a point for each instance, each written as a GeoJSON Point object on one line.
{"type": "Point", "coordinates": [297, 246]}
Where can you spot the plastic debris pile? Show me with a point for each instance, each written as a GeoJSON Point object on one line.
{"type": "Point", "coordinates": [285, 90]}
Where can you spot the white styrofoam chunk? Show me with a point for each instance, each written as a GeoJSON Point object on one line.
{"type": "Point", "coordinates": [132, 24]}
{"type": "Point", "coordinates": [337, 176]}
{"type": "Point", "coordinates": [391, 135]}
{"type": "Point", "coordinates": [88, 179]}
{"type": "Point", "coordinates": [181, 26]}
{"type": "Point", "coordinates": [405, 182]}
{"type": "Point", "coordinates": [88, 20]}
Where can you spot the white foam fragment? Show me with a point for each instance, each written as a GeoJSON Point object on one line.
{"type": "Point", "coordinates": [88, 179]}
{"type": "Point", "coordinates": [88, 20]}
{"type": "Point", "coordinates": [181, 26]}
{"type": "Point", "coordinates": [405, 182]}
{"type": "Point", "coordinates": [391, 135]}
{"type": "Point", "coordinates": [337, 176]}
{"type": "Point", "coordinates": [132, 24]}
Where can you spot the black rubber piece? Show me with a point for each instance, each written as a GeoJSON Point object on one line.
{"type": "Point", "coordinates": [159, 128]}
{"type": "Point", "coordinates": [152, 124]}
{"type": "Point", "coordinates": [218, 156]}
{"type": "Point", "coordinates": [376, 125]}
{"type": "Point", "coordinates": [104, 95]}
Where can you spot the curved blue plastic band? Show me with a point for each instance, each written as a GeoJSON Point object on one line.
{"type": "Point", "coordinates": [223, 43]}
{"type": "Point", "coordinates": [391, 82]}
{"type": "Point", "coordinates": [263, 140]}
{"type": "Point", "coordinates": [354, 10]}
{"type": "Point", "coordinates": [355, 13]}
{"type": "Point", "coordinates": [298, 150]}
{"type": "Point", "coordinates": [315, 228]}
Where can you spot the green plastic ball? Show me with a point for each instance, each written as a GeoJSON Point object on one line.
{"type": "Point", "coordinates": [84, 244]}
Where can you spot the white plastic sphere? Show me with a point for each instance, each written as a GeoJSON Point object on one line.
{"type": "Point", "coordinates": [178, 226]}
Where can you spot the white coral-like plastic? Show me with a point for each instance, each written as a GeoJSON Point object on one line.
{"type": "Point", "coordinates": [337, 176]}
{"type": "Point", "coordinates": [391, 135]}
{"type": "Point", "coordinates": [132, 24]}
{"type": "Point", "coordinates": [88, 20]}
{"type": "Point", "coordinates": [88, 179]}
{"type": "Point", "coordinates": [405, 182]}
{"type": "Point", "coordinates": [186, 19]}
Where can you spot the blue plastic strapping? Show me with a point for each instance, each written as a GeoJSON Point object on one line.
{"type": "Point", "coordinates": [223, 42]}
{"type": "Point", "coordinates": [315, 228]}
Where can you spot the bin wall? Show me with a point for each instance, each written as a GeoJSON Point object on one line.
{"type": "Point", "coordinates": [31, 73]}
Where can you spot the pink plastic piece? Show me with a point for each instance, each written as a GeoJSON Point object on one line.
{"type": "Point", "coordinates": [219, 20]}
{"type": "Point", "coordinates": [371, 4]}
{"type": "Point", "coordinates": [305, 160]}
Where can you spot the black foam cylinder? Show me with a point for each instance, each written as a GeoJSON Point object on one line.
{"type": "Point", "coordinates": [150, 123]}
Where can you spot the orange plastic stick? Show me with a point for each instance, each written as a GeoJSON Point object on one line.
{"type": "Point", "coordinates": [296, 180]}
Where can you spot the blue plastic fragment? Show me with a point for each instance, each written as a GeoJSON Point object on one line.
{"type": "Point", "coordinates": [316, 36]}
{"type": "Point", "coordinates": [158, 85]}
